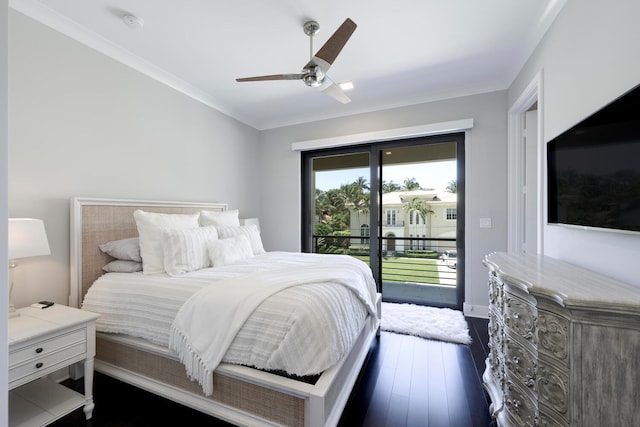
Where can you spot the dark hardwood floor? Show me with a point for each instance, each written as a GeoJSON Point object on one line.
{"type": "Point", "coordinates": [407, 381]}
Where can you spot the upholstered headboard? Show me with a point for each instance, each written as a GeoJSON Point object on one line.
{"type": "Point", "coordinates": [96, 221]}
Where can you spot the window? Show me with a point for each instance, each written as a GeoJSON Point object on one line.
{"type": "Point", "coordinates": [364, 234]}
{"type": "Point", "coordinates": [411, 217]}
{"type": "Point", "coordinates": [452, 214]}
{"type": "Point", "coordinates": [391, 216]}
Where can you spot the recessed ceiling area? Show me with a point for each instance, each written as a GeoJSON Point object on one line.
{"type": "Point", "coordinates": [401, 53]}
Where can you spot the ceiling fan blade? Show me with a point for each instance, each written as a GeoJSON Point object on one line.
{"type": "Point", "coordinates": [334, 91]}
{"type": "Point", "coordinates": [330, 50]}
{"type": "Point", "coordinates": [272, 77]}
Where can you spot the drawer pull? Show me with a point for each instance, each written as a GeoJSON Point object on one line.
{"type": "Point", "coordinates": [39, 350]}
{"type": "Point", "coordinates": [39, 365]}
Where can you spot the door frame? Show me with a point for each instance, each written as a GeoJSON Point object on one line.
{"type": "Point", "coordinates": [376, 150]}
{"type": "Point", "coordinates": [515, 168]}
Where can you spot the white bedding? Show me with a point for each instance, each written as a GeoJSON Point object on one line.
{"type": "Point", "coordinates": [300, 330]}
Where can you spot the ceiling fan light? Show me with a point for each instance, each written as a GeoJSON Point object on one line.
{"type": "Point", "coordinates": [346, 85]}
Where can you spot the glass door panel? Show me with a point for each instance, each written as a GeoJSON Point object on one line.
{"type": "Point", "coordinates": [419, 227]}
{"type": "Point", "coordinates": [341, 205]}
{"type": "Point", "coordinates": [398, 207]}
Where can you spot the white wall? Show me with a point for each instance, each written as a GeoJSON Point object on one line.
{"type": "Point", "coordinates": [83, 124]}
{"type": "Point", "coordinates": [4, 379]}
{"type": "Point", "coordinates": [589, 56]}
{"type": "Point", "coordinates": [486, 168]}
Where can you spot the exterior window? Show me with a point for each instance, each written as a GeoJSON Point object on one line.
{"type": "Point", "coordinates": [364, 234]}
{"type": "Point", "coordinates": [411, 217]}
{"type": "Point", "coordinates": [452, 214]}
{"type": "Point", "coordinates": [391, 216]}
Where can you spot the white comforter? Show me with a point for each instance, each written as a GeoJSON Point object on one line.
{"type": "Point", "coordinates": [302, 330]}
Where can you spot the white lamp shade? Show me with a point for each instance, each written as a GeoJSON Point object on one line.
{"type": "Point", "coordinates": [27, 238]}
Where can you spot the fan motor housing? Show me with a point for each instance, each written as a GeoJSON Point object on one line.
{"type": "Point", "coordinates": [313, 76]}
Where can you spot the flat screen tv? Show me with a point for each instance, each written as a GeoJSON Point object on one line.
{"type": "Point", "coordinates": [594, 169]}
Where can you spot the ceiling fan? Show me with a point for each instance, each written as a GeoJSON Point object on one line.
{"type": "Point", "coordinates": [314, 73]}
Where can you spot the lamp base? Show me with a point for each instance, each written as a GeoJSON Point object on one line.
{"type": "Point", "coordinates": [13, 312]}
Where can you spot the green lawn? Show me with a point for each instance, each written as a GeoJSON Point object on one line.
{"type": "Point", "coordinates": [414, 270]}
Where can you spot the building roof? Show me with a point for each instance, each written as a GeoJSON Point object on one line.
{"type": "Point", "coordinates": [402, 197]}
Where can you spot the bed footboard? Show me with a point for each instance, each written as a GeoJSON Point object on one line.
{"type": "Point", "coordinates": [241, 395]}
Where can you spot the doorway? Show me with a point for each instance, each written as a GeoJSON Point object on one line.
{"type": "Point", "coordinates": [526, 171]}
{"type": "Point", "coordinates": [398, 206]}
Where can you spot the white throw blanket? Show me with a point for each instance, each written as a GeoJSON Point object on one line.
{"type": "Point", "coordinates": [201, 345]}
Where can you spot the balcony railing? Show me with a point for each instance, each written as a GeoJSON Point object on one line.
{"type": "Point", "coordinates": [404, 260]}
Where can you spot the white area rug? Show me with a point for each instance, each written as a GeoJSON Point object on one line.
{"type": "Point", "coordinates": [441, 324]}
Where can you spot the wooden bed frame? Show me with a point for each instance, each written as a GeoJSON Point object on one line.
{"type": "Point", "coordinates": [242, 395]}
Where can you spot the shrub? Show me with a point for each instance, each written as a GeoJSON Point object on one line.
{"type": "Point", "coordinates": [421, 253]}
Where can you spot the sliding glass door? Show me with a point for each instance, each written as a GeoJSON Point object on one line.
{"type": "Point", "coordinates": [396, 205]}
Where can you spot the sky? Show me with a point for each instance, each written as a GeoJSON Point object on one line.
{"type": "Point", "coordinates": [429, 175]}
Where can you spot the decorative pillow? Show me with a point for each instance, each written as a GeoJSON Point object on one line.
{"type": "Point", "coordinates": [122, 266]}
{"type": "Point", "coordinates": [229, 218]}
{"type": "Point", "coordinates": [125, 249]}
{"type": "Point", "coordinates": [229, 251]}
{"type": "Point", "coordinates": [150, 226]}
{"type": "Point", "coordinates": [186, 249]}
{"type": "Point", "coordinates": [251, 231]}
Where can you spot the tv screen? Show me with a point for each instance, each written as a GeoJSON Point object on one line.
{"type": "Point", "coordinates": [594, 169]}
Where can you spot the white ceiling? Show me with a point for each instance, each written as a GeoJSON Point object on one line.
{"type": "Point", "coordinates": [403, 52]}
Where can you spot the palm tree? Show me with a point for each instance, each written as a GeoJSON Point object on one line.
{"type": "Point", "coordinates": [452, 187]}
{"type": "Point", "coordinates": [420, 208]}
{"type": "Point", "coordinates": [390, 187]}
{"type": "Point", "coordinates": [361, 183]}
{"type": "Point", "coordinates": [357, 197]}
{"type": "Point", "coordinates": [411, 184]}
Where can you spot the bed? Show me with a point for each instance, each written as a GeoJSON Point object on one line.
{"type": "Point", "coordinates": [239, 394]}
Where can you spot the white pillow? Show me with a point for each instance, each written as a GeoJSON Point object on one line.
{"type": "Point", "coordinates": [122, 266]}
{"type": "Point", "coordinates": [251, 231]}
{"type": "Point", "coordinates": [186, 249]}
{"type": "Point", "coordinates": [125, 249]}
{"type": "Point", "coordinates": [229, 251]}
{"type": "Point", "coordinates": [229, 218]}
{"type": "Point", "coordinates": [150, 226]}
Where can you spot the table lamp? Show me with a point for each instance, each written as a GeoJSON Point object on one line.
{"type": "Point", "coordinates": [27, 238]}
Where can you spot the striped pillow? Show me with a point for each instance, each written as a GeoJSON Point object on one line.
{"type": "Point", "coordinates": [186, 249]}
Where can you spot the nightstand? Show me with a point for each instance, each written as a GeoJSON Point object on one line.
{"type": "Point", "coordinates": [42, 341]}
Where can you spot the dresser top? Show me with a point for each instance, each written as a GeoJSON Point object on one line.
{"type": "Point", "coordinates": [569, 285]}
{"type": "Point", "coordinates": [33, 322]}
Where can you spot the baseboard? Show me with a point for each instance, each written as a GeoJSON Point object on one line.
{"type": "Point", "coordinates": [481, 311]}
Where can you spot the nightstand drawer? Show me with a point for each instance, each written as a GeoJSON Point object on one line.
{"type": "Point", "coordinates": [41, 365]}
{"type": "Point", "coordinates": [44, 348]}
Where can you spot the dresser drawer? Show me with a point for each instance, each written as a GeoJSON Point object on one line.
{"type": "Point", "coordinates": [42, 365]}
{"type": "Point", "coordinates": [520, 363]}
{"type": "Point", "coordinates": [44, 348]}
{"type": "Point", "coordinates": [520, 405]}
{"type": "Point", "coordinates": [549, 418]}
{"type": "Point", "coordinates": [553, 336]}
{"type": "Point", "coordinates": [553, 387]}
{"type": "Point", "coordinates": [520, 316]}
